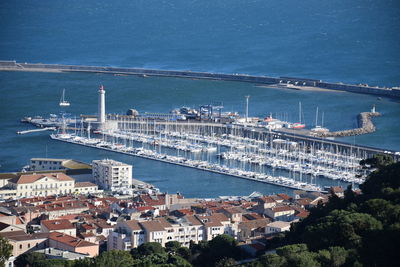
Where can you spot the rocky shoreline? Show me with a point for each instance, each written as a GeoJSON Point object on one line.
{"type": "Point", "coordinates": [365, 126]}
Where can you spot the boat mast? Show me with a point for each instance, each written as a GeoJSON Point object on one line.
{"type": "Point", "coordinates": [300, 112]}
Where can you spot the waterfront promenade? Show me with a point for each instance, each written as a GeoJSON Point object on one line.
{"type": "Point", "coordinates": [297, 82]}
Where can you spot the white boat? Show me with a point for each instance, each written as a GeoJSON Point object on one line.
{"type": "Point", "coordinates": [63, 102]}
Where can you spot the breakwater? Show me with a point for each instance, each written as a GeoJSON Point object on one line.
{"type": "Point", "coordinates": [365, 126]}
{"type": "Point", "coordinates": [299, 82]}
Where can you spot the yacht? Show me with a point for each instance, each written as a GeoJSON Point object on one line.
{"type": "Point", "coordinates": [63, 102]}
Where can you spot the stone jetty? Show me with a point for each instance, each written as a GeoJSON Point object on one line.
{"type": "Point", "coordinates": [364, 123]}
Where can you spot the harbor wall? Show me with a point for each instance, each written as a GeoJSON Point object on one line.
{"type": "Point", "coordinates": [364, 123]}
{"type": "Point", "coordinates": [361, 88]}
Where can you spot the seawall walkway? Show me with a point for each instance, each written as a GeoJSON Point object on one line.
{"type": "Point", "coordinates": [299, 82]}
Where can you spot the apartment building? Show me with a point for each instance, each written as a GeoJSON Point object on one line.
{"type": "Point", "coordinates": [131, 234]}
{"type": "Point", "coordinates": [112, 175]}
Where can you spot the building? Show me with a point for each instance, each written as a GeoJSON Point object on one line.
{"type": "Point", "coordinates": [44, 184]}
{"type": "Point", "coordinates": [112, 175]}
{"type": "Point", "coordinates": [277, 227]}
{"type": "Point", "coordinates": [44, 164]}
{"type": "Point", "coordinates": [86, 188]}
{"type": "Point", "coordinates": [337, 190]}
{"type": "Point", "coordinates": [62, 226]}
{"type": "Point", "coordinates": [23, 242]}
{"type": "Point", "coordinates": [5, 227]}
{"type": "Point", "coordinates": [195, 228]}
{"type": "Point", "coordinates": [73, 244]}
{"type": "Point", "coordinates": [54, 253]}
{"type": "Point", "coordinates": [281, 213]}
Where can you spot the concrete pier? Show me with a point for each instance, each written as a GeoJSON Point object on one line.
{"type": "Point", "coordinates": [297, 82]}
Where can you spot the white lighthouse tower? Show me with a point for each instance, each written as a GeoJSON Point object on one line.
{"type": "Point", "coordinates": [101, 115]}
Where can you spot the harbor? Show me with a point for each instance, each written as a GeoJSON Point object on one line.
{"type": "Point", "coordinates": [265, 150]}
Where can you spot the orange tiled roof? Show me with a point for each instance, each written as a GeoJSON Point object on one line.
{"type": "Point", "coordinates": [70, 240]}
{"type": "Point", "coordinates": [30, 178]}
{"type": "Point", "coordinates": [84, 184]}
{"type": "Point", "coordinates": [54, 225]}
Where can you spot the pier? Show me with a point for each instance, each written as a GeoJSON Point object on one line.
{"type": "Point", "coordinates": [365, 126]}
{"type": "Point", "coordinates": [37, 130]}
{"type": "Point", "coordinates": [260, 80]}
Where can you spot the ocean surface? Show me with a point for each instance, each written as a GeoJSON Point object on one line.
{"type": "Point", "coordinates": [340, 41]}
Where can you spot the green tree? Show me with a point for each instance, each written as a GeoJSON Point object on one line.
{"type": "Point", "coordinates": [332, 257]}
{"type": "Point", "coordinates": [298, 255]}
{"type": "Point", "coordinates": [178, 261]}
{"type": "Point", "coordinates": [150, 248]}
{"type": "Point", "coordinates": [340, 228]}
{"type": "Point", "coordinates": [114, 258]}
{"type": "Point", "coordinates": [376, 182]}
{"type": "Point", "coordinates": [226, 262]}
{"type": "Point", "coordinates": [185, 253]}
{"type": "Point", "coordinates": [172, 246]}
{"type": "Point", "coordinates": [272, 260]}
{"type": "Point", "coordinates": [85, 262]}
{"type": "Point", "coordinates": [27, 259]}
{"type": "Point", "coordinates": [52, 263]}
{"type": "Point", "coordinates": [382, 210]}
{"type": "Point", "coordinates": [286, 251]}
{"type": "Point", "coordinates": [223, 246]}
{"type": "Point", "coordinates": [5, 250]}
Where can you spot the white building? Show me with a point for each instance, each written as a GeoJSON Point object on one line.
{"type": "Point", "coordinates": [277, 227]}
{"type": "Point", "coordinates": [112, 175]}
{"type": "Point", "coordinates": [45, 184]}
{"type": "Point", "coordinates": [131, 234]}
{"type": "Point", "coordinates": [86, 188]}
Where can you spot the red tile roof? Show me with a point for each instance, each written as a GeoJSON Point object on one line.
{"type": "Point", "coordinates": [54, 225]}
{"type": "Point", "coordinates": [70, 240]}
{"type": "Point", "coordinates": [85, 184]}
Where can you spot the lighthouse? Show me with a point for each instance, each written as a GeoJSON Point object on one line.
{"type": "Point", "coordinates": [101, 115]}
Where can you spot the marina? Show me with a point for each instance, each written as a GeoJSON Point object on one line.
{"type": "Point", "coordinates": [211, 140]}
{"type": "Point", "coordinates": [201, 165]}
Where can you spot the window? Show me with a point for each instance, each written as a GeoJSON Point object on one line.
{"type": "Point", "coordinates": [20, 246]}
{"type": "Point", "coordinates": [29, 245]}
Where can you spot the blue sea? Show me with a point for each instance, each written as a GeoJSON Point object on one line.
{"type": "Point", "coordinates": [339, 41]}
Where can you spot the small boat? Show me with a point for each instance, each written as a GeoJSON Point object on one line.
{"type": "Point", "coordinates": [298, 125]}
{"type": "Point", "coordinates": [63, 102]}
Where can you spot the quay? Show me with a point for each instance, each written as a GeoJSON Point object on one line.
{"type": "Point", "coordinates": [261, 80]}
